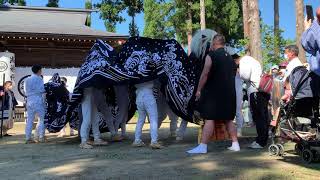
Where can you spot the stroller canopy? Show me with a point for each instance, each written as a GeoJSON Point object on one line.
{"type": "Point", "coordinates": [304, 83]}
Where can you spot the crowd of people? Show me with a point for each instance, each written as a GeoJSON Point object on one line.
{"type": "Point", "coordinates": [219, 95]}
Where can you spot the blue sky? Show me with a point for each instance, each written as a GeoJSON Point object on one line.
{"type": "Point", "coordinates": [287, 14]}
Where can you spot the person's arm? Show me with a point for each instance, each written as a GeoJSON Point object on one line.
{"type": "Point", "coordinates": [309, 39]}
{"type": "Point", "coordinates": [204, 75]}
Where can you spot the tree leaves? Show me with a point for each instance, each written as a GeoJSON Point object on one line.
{"type": "Point", "coordinates": [156, 20]}
{"type": "Point", "coordinates": [13, 2]}
{"type": "Point", "coordinates": [53, 3]}
{"type": "Point", "coordinates": [110, 12]}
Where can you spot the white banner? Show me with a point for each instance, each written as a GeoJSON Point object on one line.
{"type": "Point", "coordinates": [7, 62]}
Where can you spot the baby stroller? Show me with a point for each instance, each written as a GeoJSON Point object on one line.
{"type": "Point", "coordinates": [298, 120]}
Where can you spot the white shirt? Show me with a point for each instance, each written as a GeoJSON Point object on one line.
{"type": "Point", "coordinates": [250, 71]}
{"type": "Point", "coordinates": [34, 88]}
{"type": "Point", "coordinates": [292, 64]}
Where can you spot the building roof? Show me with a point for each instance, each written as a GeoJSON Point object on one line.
{"type": "Point", "coordinates": [45, 21]}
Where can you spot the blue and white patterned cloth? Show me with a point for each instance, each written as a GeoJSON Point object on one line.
{"type": "Point", "coordinates": [57, 98]}
{"type": "Point", "coordinates": [141, 60]}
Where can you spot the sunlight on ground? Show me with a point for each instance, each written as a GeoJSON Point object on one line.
{"type": "Point", "coordinates": [61, 158]}
{"type": "Point", "coordinates": [205, 166]}
{"type": "Point", "coordinates": [76, 166]}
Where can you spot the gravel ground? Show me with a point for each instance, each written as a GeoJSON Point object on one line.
{"type": "Point", "coordinates": [61, 158]}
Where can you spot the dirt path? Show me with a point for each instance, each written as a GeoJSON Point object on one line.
{"type": "Point", "coordinates": [61, 158]}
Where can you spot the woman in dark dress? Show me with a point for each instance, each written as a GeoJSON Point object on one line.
{"type": "Point", "coordinates": [216, 94]}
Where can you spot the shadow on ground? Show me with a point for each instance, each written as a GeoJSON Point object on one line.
{"type": "Point", "coordinates": [61, 158]}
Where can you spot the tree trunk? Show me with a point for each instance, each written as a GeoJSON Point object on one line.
{"type": "Point", "coordinates": [276, 29]}
{"type": "Point", "coordinates": [300, 28]}
{"type": "Point", "coordinates": [255, 35]}
{"type": "Point", "coordinates": [202, 15]}
{"type": "Point", "coordinates": [189, 24]}
{"type": "Point", "coordinates": [246, 28]}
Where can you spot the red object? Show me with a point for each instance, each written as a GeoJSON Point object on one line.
{"type": "Point", "coordinates": [266, 83]}
{"type": "Point", "coordinates": [283, 64]}
{"type": "Point", "coordinates": [220, 131]}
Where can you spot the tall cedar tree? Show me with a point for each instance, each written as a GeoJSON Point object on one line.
{"type": "Point", "coordinates": [156, 19]}
{"type": "Point", "coordinates": [53, 3]}
{"type": "Point", "coordinates": [110, 12]}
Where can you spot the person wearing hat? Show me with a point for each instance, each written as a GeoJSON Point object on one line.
{"type": "Point", "coordinates": [275, 71]}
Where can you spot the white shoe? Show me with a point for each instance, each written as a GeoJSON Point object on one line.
{"type": "Point", "coordinates": [198, 150]}
{"type": "Point", "coordinates": [255, 145]}
{"type": "Point", "coordinates": [232, 148]}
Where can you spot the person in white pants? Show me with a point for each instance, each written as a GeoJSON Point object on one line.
{"type": "Point", "coordinates": [239, 96]}
{"type": "Point", "coordinates": [164, 110]}
{"type": "Point", "coordinates": [175, 132]}
{"type": "Point", "coordinates": [34, 89]}
{"type": "Point", "coordinates": [122, 96]}
{"type": "Point", "coordinates": [63, 130]}
{"type": "Point", "coordinates": [102, 106]}
{"type": "Point", "coordinates": [89, 107]}
{"type": "Point", "coordinates": [146, 105]}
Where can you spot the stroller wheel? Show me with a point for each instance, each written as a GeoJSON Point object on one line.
{"type": "Point", "coordinates": [298, 148]}
{"type": "Point", "coordinates": [307, 156]}
{"type": "Point", "coordinates": [281, 149]}
{"type": "Point", "coordinates": [274, 150]}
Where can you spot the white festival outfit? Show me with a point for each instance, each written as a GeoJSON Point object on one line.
{"type": "Point", "coordinates": [34, 88]}
{"type": "Point", "coordinates": [122, 99]}
{"type": "Point", "coordinates": [239, 94]}
{"type": "Point", "coordinates": [94, 100]}
{"type": "Point", "coordinates": [146, 105]}
{"type": "Point", "coordinates": [89, 116]}
{"type": "Point", "coordinates": [250, 72]}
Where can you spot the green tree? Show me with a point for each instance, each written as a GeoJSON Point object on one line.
{"type": "Point", "coordinates": [223, 16]}
{"type": "Point", "coordinates": [134, 7]}
{"type": "Point", "coordinates": [53, 3]}
{"type": "Point", "coordinates": [156, 16]}
{"type": "Point", "coordinates": [269, 54]}
{"type": "Point", "coordinates": [110, 12]}
{"type": "Point", "coordinates": [182, 20]}
{"type": "Point", "coordinates": [14, 2]}
{"type": "Point", "coordinates": [133, 28]}
{"type": "Point", "coordinates": [88, 5]}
